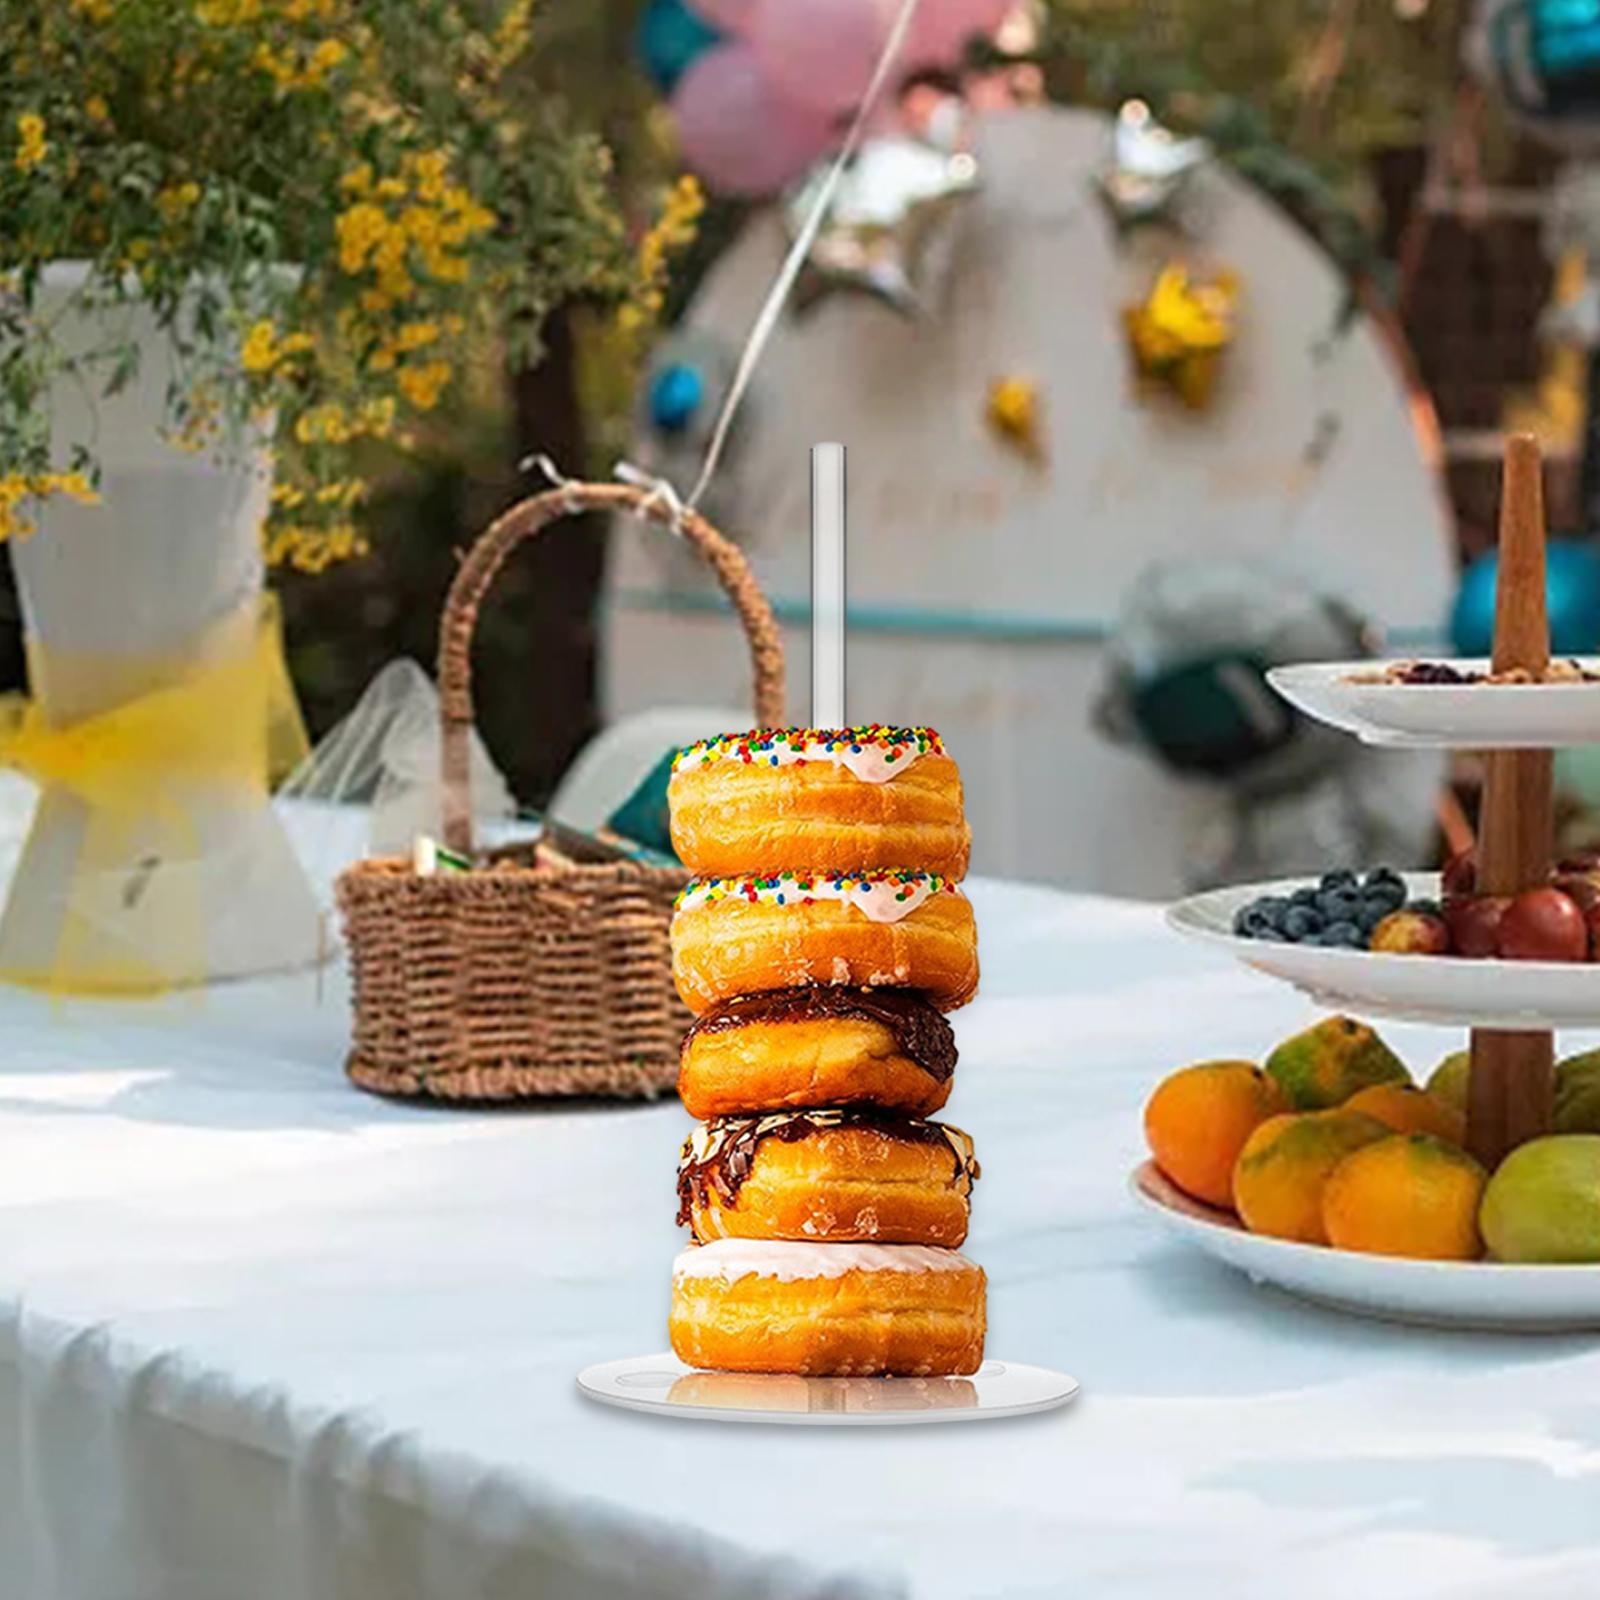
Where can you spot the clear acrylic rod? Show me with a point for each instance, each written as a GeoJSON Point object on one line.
{"type": "Point", "coordinates": [827, 586]}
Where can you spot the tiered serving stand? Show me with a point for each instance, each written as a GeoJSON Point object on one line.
{"type": "Point", "coordinates": [1510, 1006]}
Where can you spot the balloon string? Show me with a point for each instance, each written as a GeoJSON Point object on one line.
{"type": "Point", "coordinates": [778, 295]}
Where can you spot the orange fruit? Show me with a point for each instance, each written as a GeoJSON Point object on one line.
{"type": "Point", "coordinates": [1406, 1109]}
{"type": "Point", "coordinates": [1277, 1184]}
{"type": "Point", "coordinates": [1407, 1195]}
{"type": "Point", "coordinates": [1197, 1121]}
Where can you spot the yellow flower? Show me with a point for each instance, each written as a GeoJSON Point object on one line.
{"type": "Point", "coordinates": [328, 55]}
{"type": "Point", "coordinates": [173, 201]}
{"type": "Point", "coordinates": [260, 349]}
{"type": "Point", "coordinates": [32, 146]}
{"type": "Point", "coordinates": [428, 172]}
{"type": "Point", "coordinates": [414, 335]}
{"type": "Point", "coordinates": [421, 223]}
{"type": "Point", "coordinates": [671, 231]}
{"type": "Point", "coordinates": [511, 37]}
{"type": "Point", "coordinates": [324, 424]}
{"type": "Point", "coordinates": [342, 492]}
{"type": "Point", "coordinates": [227, 13]}
{"type": "Point", "coordinates": [377, 416]}
{"type": "Point", "coordinates": [17, 488]}
{"type": "Point", "coordinates": [359, 229]}
{"type": "Point", "coordinates": [422, 384]}
{"type": "Point", "coordinates": [96, 109]}
{"type": "Point", "coordinates": [94, 10]}
{"type": "Point", "coordinates": [289, 72]}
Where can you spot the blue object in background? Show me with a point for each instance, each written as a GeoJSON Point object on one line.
{"type": "Point", "coordinates": [1546, 55]}
{"type": "Point", "coordinates": [645, 816]}
{"type": "Point", "coordinates": [669, 40]}
{"type": "Point", "coordinates": [676, 394]}
{"type": "Point", "coordinates": [1572, 590]}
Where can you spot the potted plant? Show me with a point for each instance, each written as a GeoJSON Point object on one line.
{"type": "Point", "coordinates": [243, 244]}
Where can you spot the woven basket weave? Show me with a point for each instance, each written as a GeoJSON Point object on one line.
{"type": "Point", "coordinates": [533, 975]}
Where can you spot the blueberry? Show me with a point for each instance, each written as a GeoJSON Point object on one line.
{"type": "Point", "coordinates": [1391, 896]}
{"type": "Point", "coordinates": [1373, 912]}
{"type": "Point", "coordinates": [1342, 878]}
{"type": "Point", "coordinates": [1272, 908]}
{"type": "Point", "coordinates": [1300, 922]}
{"type": "Point", "coordinates": [1241, 922]}
{"type": "Point", "coordinates": [1339, 905]}
{"type": "Point", "coordinates": [1304, 897]}
{"type": "Point", "coordinates": [1343, 935]}
{"type": "Point", "coordinates": [1387, 879]}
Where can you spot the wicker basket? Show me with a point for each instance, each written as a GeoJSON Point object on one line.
{"type": "Point", "coordinates": [534, 975]}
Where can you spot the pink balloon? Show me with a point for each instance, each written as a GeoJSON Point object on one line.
{"type": "Point", "coordinates": [941, 28]}
{"type": "Point", "coordinates": [731, 16]}
{"type": "Point", "coordinates": [819, 52]}
{"type": "Point", "coordinates": [737, 132]}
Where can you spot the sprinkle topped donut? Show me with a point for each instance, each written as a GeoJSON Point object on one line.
{"type": "Point", "coordinates": [874, 752]}
{"type": "Point", "coordinates": [884, 896]}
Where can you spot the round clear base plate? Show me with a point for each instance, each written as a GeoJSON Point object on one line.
{"type": "Point", "coordinates": [664, 1385]}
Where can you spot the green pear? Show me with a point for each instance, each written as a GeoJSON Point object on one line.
{"type": "Point", "coordinates": [1448, 1081]}
{"type": "Point", "coordinates": [1543, 1204]}
{"type": "Point", "coordinates": [1579, 1113]}
{"type": "Point", "coordinates": [1578, 1093]}
{"type": "Point", "coordinates": [1322, 1067]}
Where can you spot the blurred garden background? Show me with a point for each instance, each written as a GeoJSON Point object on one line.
{"type": "Point", "coordinates": [1358, 119]}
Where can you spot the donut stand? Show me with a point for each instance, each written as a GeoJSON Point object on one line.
{"type": "Point", "coordinates": [662, 1382]}
{"type": "Point", "coordinates": [1511, 1007]}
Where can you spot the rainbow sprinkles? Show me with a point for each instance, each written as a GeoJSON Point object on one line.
{"type": "Point", "coordinates": [886, 896]}
{"type": "Point", "coordinates": [874, 752]}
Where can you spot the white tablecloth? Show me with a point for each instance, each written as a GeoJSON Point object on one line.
{"type": "Point", "coordinates": [265, 1338]}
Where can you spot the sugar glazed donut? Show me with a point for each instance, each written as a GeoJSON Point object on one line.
{"type": "Point", "coordinates": [847, 1173]}
{"type": "Point", "coordinates": [827, 1310]}
{"type": "Point", "coordinates": [817, 1047]}
{"type": "Point", "coordinates": [900, 929]}
{"type": "Point", "coordinates": [838, 800]}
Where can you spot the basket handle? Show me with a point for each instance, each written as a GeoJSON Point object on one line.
{"type": "Point", "coordinates": [483, 561]}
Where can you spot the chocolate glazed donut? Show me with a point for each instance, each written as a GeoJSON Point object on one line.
{"type": "Point", "coordinates": [817, 1047]}
{"type": "Point", "coordinates": [842, 1174]}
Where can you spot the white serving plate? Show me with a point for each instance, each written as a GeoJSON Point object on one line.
{"type": "Point", "coordinates": [1480, 716]}
{"type": "Point", "coordinates": [1434, 989]}
{"type": "Point", "coordinates": [1484, 1295]}
{"type": "Point", "coordinates": [664, 1385]}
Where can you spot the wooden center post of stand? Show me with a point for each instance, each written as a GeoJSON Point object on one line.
{"type": "Point", "coordinates": [1511, 1092]}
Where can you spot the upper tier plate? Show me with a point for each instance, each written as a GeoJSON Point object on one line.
{"type": "Point", "coordinates": [1435, 989]}
{"type": "Point", "coordinates": [1473, 716]}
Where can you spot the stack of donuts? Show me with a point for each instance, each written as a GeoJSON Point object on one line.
{"type": "Point", "coordinates": [820, 944]}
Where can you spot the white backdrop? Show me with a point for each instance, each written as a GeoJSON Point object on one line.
{"type": "Point", "coordinates": [981, 585]}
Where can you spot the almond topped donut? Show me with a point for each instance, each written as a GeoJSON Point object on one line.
{"type": "Point", "coordinates": [827, 1310]}
{"type": "Point", "coordinates": [817, 1047]}
{"type": "Point", "coordinates": [838, 800]}
{"type": "Point", "coordinates": [895, 929]}
{"type": "Point", "coordinates": [845, 1173]}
